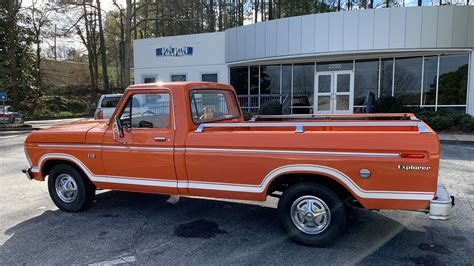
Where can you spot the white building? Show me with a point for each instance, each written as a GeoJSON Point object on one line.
{"type": "Point", "coordinates": [331, 62]}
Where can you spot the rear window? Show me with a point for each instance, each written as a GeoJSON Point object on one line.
{"type": "Point", "coordinates": [110, 101]}
{"type": "Point", "coordinates": [208, 105]}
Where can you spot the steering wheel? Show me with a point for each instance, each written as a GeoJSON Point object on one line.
{"type": "Point", "coordinates": [148, 112]}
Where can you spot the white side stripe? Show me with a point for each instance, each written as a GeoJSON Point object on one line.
{"type": "Point", "coordinates": [306, 168]}
{"type": "Point", "coordinates": [363, 154]}
{"type": "Point", "coordinates": [258, 151]}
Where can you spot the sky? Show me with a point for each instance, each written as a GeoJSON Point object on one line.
{"type": "Point", "coordinates": [65, 43]}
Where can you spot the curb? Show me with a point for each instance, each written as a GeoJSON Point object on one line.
{"type": "Point", "coordinates": [6, 129]}
{"type": "Point", "coordinates": [452, 141]}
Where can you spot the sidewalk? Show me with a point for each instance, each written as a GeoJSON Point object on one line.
{"type": "Point", "coordinates": [449, 138]}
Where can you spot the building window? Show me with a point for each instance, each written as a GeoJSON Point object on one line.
{"type": "Point", "coordinates": [149, 80]}
{"type": "Point", "coordinates": [366, 80]}
{"type": "Point", "coordinates": [407, 81]}
{"type": "Point", "coordinates": [303, 88]}
{"type": "Point", "coordinates": [430, 77]}
{"type": "Point", "coordinates": [254, 80]}
{"type": "Point", "coordinates": [178, 77]}
{"type": "Point", "coordinates": [270, 79]}
{"type": "Point", "coordinates": [209, 77]}
{"type": "Point", "coordinates": [386, 77]}
{"type": "Point", "coordinates": [452, 84]}
{"type": "Point", "coordinates": [239, 79]}
{"type": "Point", "coordinates": [286, 79]}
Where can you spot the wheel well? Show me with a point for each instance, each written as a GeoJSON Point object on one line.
{"type": "Point", "coordinates": [283, 182]}
{"type": "Point", "coordinates": [50, 164]}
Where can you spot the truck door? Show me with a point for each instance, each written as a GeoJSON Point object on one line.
{"type": "Point", "coordinates": [142, 159]}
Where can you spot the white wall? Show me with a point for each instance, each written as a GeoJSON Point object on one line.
{"type": "Point", "coordinates": [208, 57]}
{"type": "Point", "coordinates": [384, 29]}
{"type": "Point", "coordinates": [470, 87]}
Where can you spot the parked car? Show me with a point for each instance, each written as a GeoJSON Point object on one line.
{"type": "Point", "coordinates": [191, 139]}
{"type": "Point", "coordinates": [8, 115]}
{"type": "Point", "coordinates": [106, 106]}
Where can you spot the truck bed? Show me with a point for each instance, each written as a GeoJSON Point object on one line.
{"type": "Point", "coordinates": [302, 123]}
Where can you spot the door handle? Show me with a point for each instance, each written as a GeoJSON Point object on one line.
{"type": "Point", "coordinates": [160, 138]}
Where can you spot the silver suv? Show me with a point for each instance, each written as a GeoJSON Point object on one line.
{"type": "Point", "coordinates": [106, 106]}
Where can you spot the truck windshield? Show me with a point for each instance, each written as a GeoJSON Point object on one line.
{"type": "Point", "coordinates": [209, 105]}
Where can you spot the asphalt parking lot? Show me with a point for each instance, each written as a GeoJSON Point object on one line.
{"type": "Point", "coordinates": [144, 229]}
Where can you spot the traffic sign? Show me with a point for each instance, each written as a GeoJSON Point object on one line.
{"type": "Point", "coordinates": [3, 96]}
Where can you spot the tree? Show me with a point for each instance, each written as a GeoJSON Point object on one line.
{"type": "Point", "coordinates": [103, 55]}
{"type": "Point", "coordinates": [40, 20]}
{"type": "Point", "coordinates": [16, 57]}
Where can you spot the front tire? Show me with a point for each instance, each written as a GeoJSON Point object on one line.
{"type": "Point", "coordinates": [69, 189]}
{"type": "Point", "coordinates": [312, 214]}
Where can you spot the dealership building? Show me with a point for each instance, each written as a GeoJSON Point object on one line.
{"type": "Point", "coordinates": [329, 63]}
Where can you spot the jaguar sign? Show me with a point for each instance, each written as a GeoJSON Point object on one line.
{"type": "Point", "coordinates": [174, 51]}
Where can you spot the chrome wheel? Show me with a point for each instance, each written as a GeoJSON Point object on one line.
{"type": "Point", "coordinates": [66, 188]}
{"type": "Point", "coordinates": [310, 214]}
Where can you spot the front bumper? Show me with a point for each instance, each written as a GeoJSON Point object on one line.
{"type": "Point", "coordinates": [27, 172]}
{"type": "Point", "coordinates": [441, 205]}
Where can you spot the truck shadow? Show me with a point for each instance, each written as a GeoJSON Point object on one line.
{"type": "Point", "coordinates": [194, 230]}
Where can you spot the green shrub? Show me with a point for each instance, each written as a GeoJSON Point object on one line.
{"type": "Point", "coordinates": [59, 106]}
{"type": "Point", "coordinates": [271, 108]}
{"type": "Point", "coordinates": [440, 120]}
{"type": "Point", "coordinates": [247, 115]}
{"type": "Point", "coordinates": [467, 123]}
{"type": "Point", "coordinates": [443, 120]}
{"type": "Point", "coordinates": [389, 105]}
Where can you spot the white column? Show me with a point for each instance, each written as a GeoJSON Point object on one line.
{"type": "Point", "coordinates": [470, 87]}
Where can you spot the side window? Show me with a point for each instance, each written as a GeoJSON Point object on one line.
{"type": "Point", "coordinates": [149, 79]}
{"type": "Point", "coordinates": [148, 111]}
{"type": "Point", "coordinates": [180, 77]}
{"type": "Point", "coordinates": [213, 105]}
{"type": "Point", "coordinates": [209, 77]}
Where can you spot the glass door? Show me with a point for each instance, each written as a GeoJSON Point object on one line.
{"type": "Point", "coordinates": [334, 93]}
{"type": "Point", "coordinates": [343, 93]}
{"type": "Point", "coordinates": [322, 93]}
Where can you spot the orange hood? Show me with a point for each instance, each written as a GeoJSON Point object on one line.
{"type": "Point", "coordinates": [66, 133]}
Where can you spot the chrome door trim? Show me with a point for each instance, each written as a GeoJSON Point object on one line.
{"type": "Point", "coordinates": [355, 154]}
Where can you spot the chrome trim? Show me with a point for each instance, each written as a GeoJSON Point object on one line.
{"type": "Point", "coordinates": [137, 148]}
{"type": "Point", "coordinates": [299, 125]}
{"type": "Point", "coordinates": [82, 146]}
{"type": "Point", "coordinates": [362, 154]}
{"type": "Point", "coordinates": [76, 146]}
{"type": "Point", "coordinates": [299, 129]}
{"type": "Point", "coordinates": [330, 116]}
{"type": "Point", "coordinates": [423, 129]}
{"type": "Point", "coordinates": [26, 171]}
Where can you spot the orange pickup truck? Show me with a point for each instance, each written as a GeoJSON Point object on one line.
{"type": "Point", "coordinates": [190, 139]}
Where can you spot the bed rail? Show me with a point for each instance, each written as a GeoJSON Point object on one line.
{"type": "Point", "coordinates": [299, 126]}
{"type": "Point", "coordinates": [409, 116]}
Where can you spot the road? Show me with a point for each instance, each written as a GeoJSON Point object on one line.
{"type": "Point", "coordinates": [144, 229]}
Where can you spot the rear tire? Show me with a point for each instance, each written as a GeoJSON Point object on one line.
{"type": "Point", "coordinates": [69, 189]}
{"type": "Point", "coordinates": [318, 225]}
